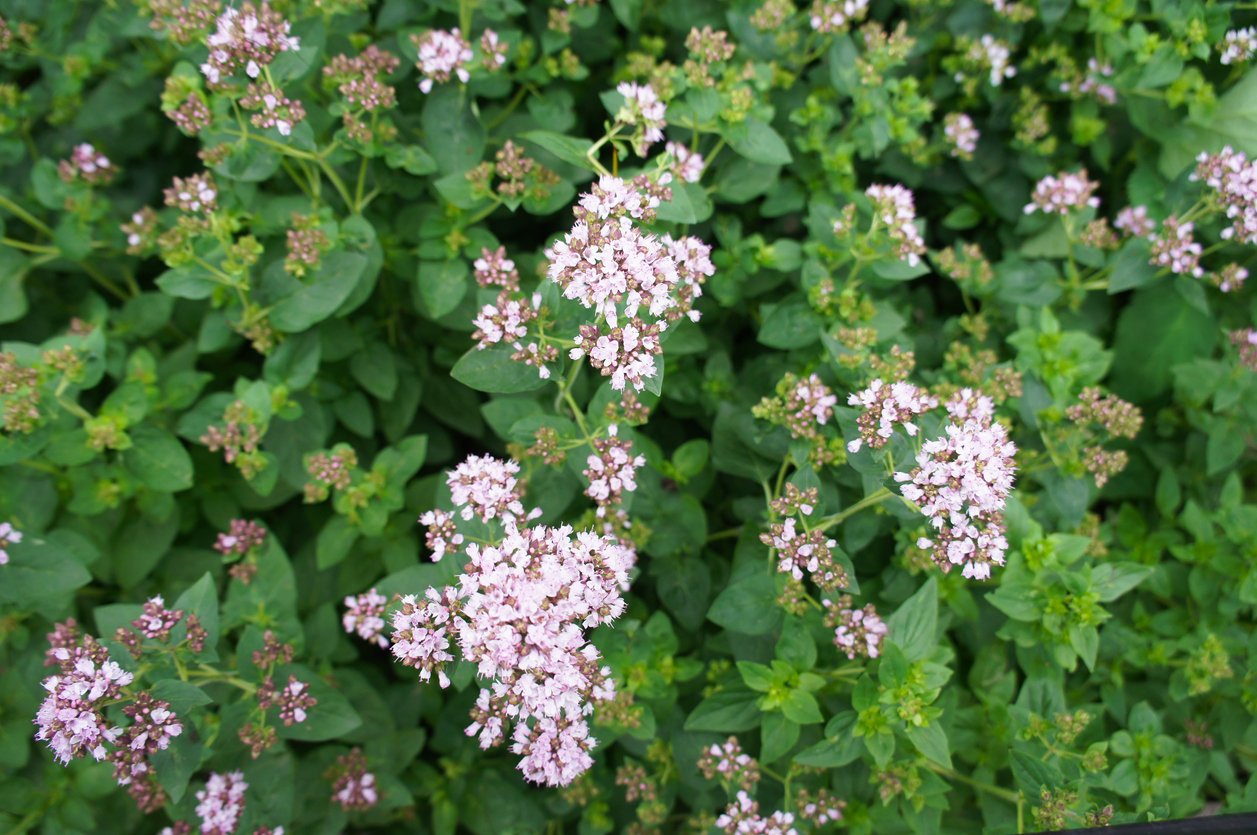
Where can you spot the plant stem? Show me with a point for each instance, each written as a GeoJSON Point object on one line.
{"type": "Point", "coordinates": [25, 215]}
{"type": "Point", "coordinates": [868, 501]}
{"type": "Point", "coordinates": [1005, 794]}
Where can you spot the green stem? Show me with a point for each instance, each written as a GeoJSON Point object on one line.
{"type": "Point", "coordinates": [52, 250]}
{"type": "Point", "coordinates": [732, 533]}
{"type": "Point", "coordinates": [25, 215]}
{"type": "Point", "coordinates": [1005, 794]}
{"type": "Point", "coordinates": [868, 501]}
{"type": "Point", "coordinates": [565, 388]}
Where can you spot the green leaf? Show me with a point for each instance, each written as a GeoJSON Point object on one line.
{"type": "Point", "coordinates": [493, 370]}
{"type": "Point", "coordinates": [758, 677]}
{"type": "Point", "coordinates": [684, 586]}
{"type": "Point", "coordinates": [333, 716]}
{"type": "Point", "coordinates": [915, 622]}
{"type": "Point", "coordinates": [729, 710]}
{"type": "Point", "coordinates": [900, 270]}
{"type": "Point", "coordinates": [567, 148]}
{"type": "Point", "coordinates": [190, 281]}
{"type": "Point", "coordinates": [1032, 774]}
{"type": "Point", "coordinates": [832, 753]}
{"type": "Point", "coordinates": [39, 569]}
{"type": "Point", "coordinates": [795, 646]}
{"type": "Point", "coordinates": [791, 324]}
{"type": "Point", "coordinates": [931, 741]}
{"type": "Point", "coordinates": [410, 158]}
{"type": "Point", "coordinates": [201, 599]}
{"type": "Point", "coordinates": [1111, 580]}
{"type": "Point", "coordinates": [778, 735]}
{"type": "Point", "coordinates": [176, 764]}
{"type": "Point", "coordinates": [272, 592]}
{"type": "Point", "coordinates": [689, 204]}
{"type": "Point", "coordinates": [158, 459]}
{"type": "Point", "coordinates": [1132, 266]}
{"type": "Point", "coordinates": [1017, 600]}
{"type": "Point", "coordinates": [442, 285]}
{"type": "Point", "coordinates": [758, 142]}
{"type": "Point", "coordinates": [451, 131]}
{"type": "Point", "coordinates": [182, 696]}
{"type": "Point", "coordinates": [375, 368]}
{"type": "Point", "coordinates": [1086, 642]}
{"type": "Point", "coordinates": [801, 706]}
{"type": "Point", "coordinates": [748, 606]}
{"type": "Point", "coordinates": [298, 305]}
{"type": "Point", "coordinates": [1156, 332]}
{"type": "Point", "coordinates": [139, 546]}
{"type": "Point", "coordinates": [335, 541]}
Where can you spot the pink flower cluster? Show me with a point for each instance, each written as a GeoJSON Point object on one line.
{"type": "Point", "coordinates": [1233, 177]}
{"type": "Point", "coordinates": [8, 535]}
{"type": "Point", "coordinates": [363, 615]}
{"type": "Point", "coordinates": [355, 789]}
{"type": "Point", "coordinates": [893, 205]}
{"type": "Point", "coordinates": [248, 37]}
{"type": "Point", "coordinates": [810, 402]}
{"type": "Point", "coordinates": [153, 725]}
{"type": "Point", "coordinates": [442, 532]}
{"type": "Point", "coordinates": [1134, 221]}
{"type": "Point", "coordinates": [495, 268]}
{"type": "Point", "coordinates": [960, 133]}
{"type": "Point", "coordinates": [798, 551]}
{"type": "Point", "coordinates": [642, 107]}
{"type": "Point", "coordinates": [836, 15]}
{"type": "Point", "coordinates": [1175, 248]}
{"type": "Point", "coordinates": [518, 613]}
{"type": "Point", "coordinates": [730, 764]}
{"type": "Point", "coordinates": [687, 164]}
{"type": "Point", "coordinates": [612, 470]}
{"type": "Point", "coordinates": [242, 537]}
{"type": "Point", "coordinates": [221, 803]}
{"type": "Point", "coordinates": [1092, 84]}
{"type": "Point", "coordinates": [442, 54]}
{"type": "Point", "coordinates": [88, 164]}
{"type": "Point", "coordinates": [885, 406]}
{"type": "Point", "coordinates": [486, 488]}
{"type": "Point", "coordinates": [70, 719]}
{"type": "Point", "coordinates": [506, 321]}
{"type": "Point", "coordinates": [961, 482]}
{"type": "Point", "coordinates": [1240, 44]}
{"type": "Point", "coordinates": [609, 264]}
{"type": "Point", "coordinates": [276, 110]}
{"type": "Point", "coordinates": [857, 632]}
{"type": "Point", "coordinates": [742, 818]}
{"type": "Point", "coordinates": [1063, 194]}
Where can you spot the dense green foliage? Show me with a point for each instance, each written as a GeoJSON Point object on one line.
{"type": "Point", "coordinates": [287, 335]}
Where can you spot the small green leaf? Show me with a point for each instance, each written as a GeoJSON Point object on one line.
{"type": "Point", "coordinates": [729, 710]}
{"type": "Point", "coordinates": [335, 541]}
{"type": "Point", "coordinates": [748, 606]}
{"type": "Point", "coordinates": [758, 142]}
{"type": "Point", "coordinates": [931, 741]}
{"type": "Point", "coordinates": [442, 285]}
{"type": "Point", "coordinates": [39, 569]}
{"type": "Point", "coordinates": [567, 148]}
{"type": "Point", "coordinates": [158, 459]}
{"type": "Point", "coordinates": [778, 735]}
{"type": "Point", "coordinates": [493, 370]}
{"type": "Point", "coordinates": [801, 706]}
{"type": "Point", "coordinates": [914, 623]}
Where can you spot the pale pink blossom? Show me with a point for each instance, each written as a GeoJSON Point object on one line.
{"type": "Point", "coordinates": [363, 616]}
{"type": "Point", "coordinates": [221, 803]}
{"type": "Point", "coordinates": [8, 535]}
{"type": "Point", "coordinates": [442, 54]}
